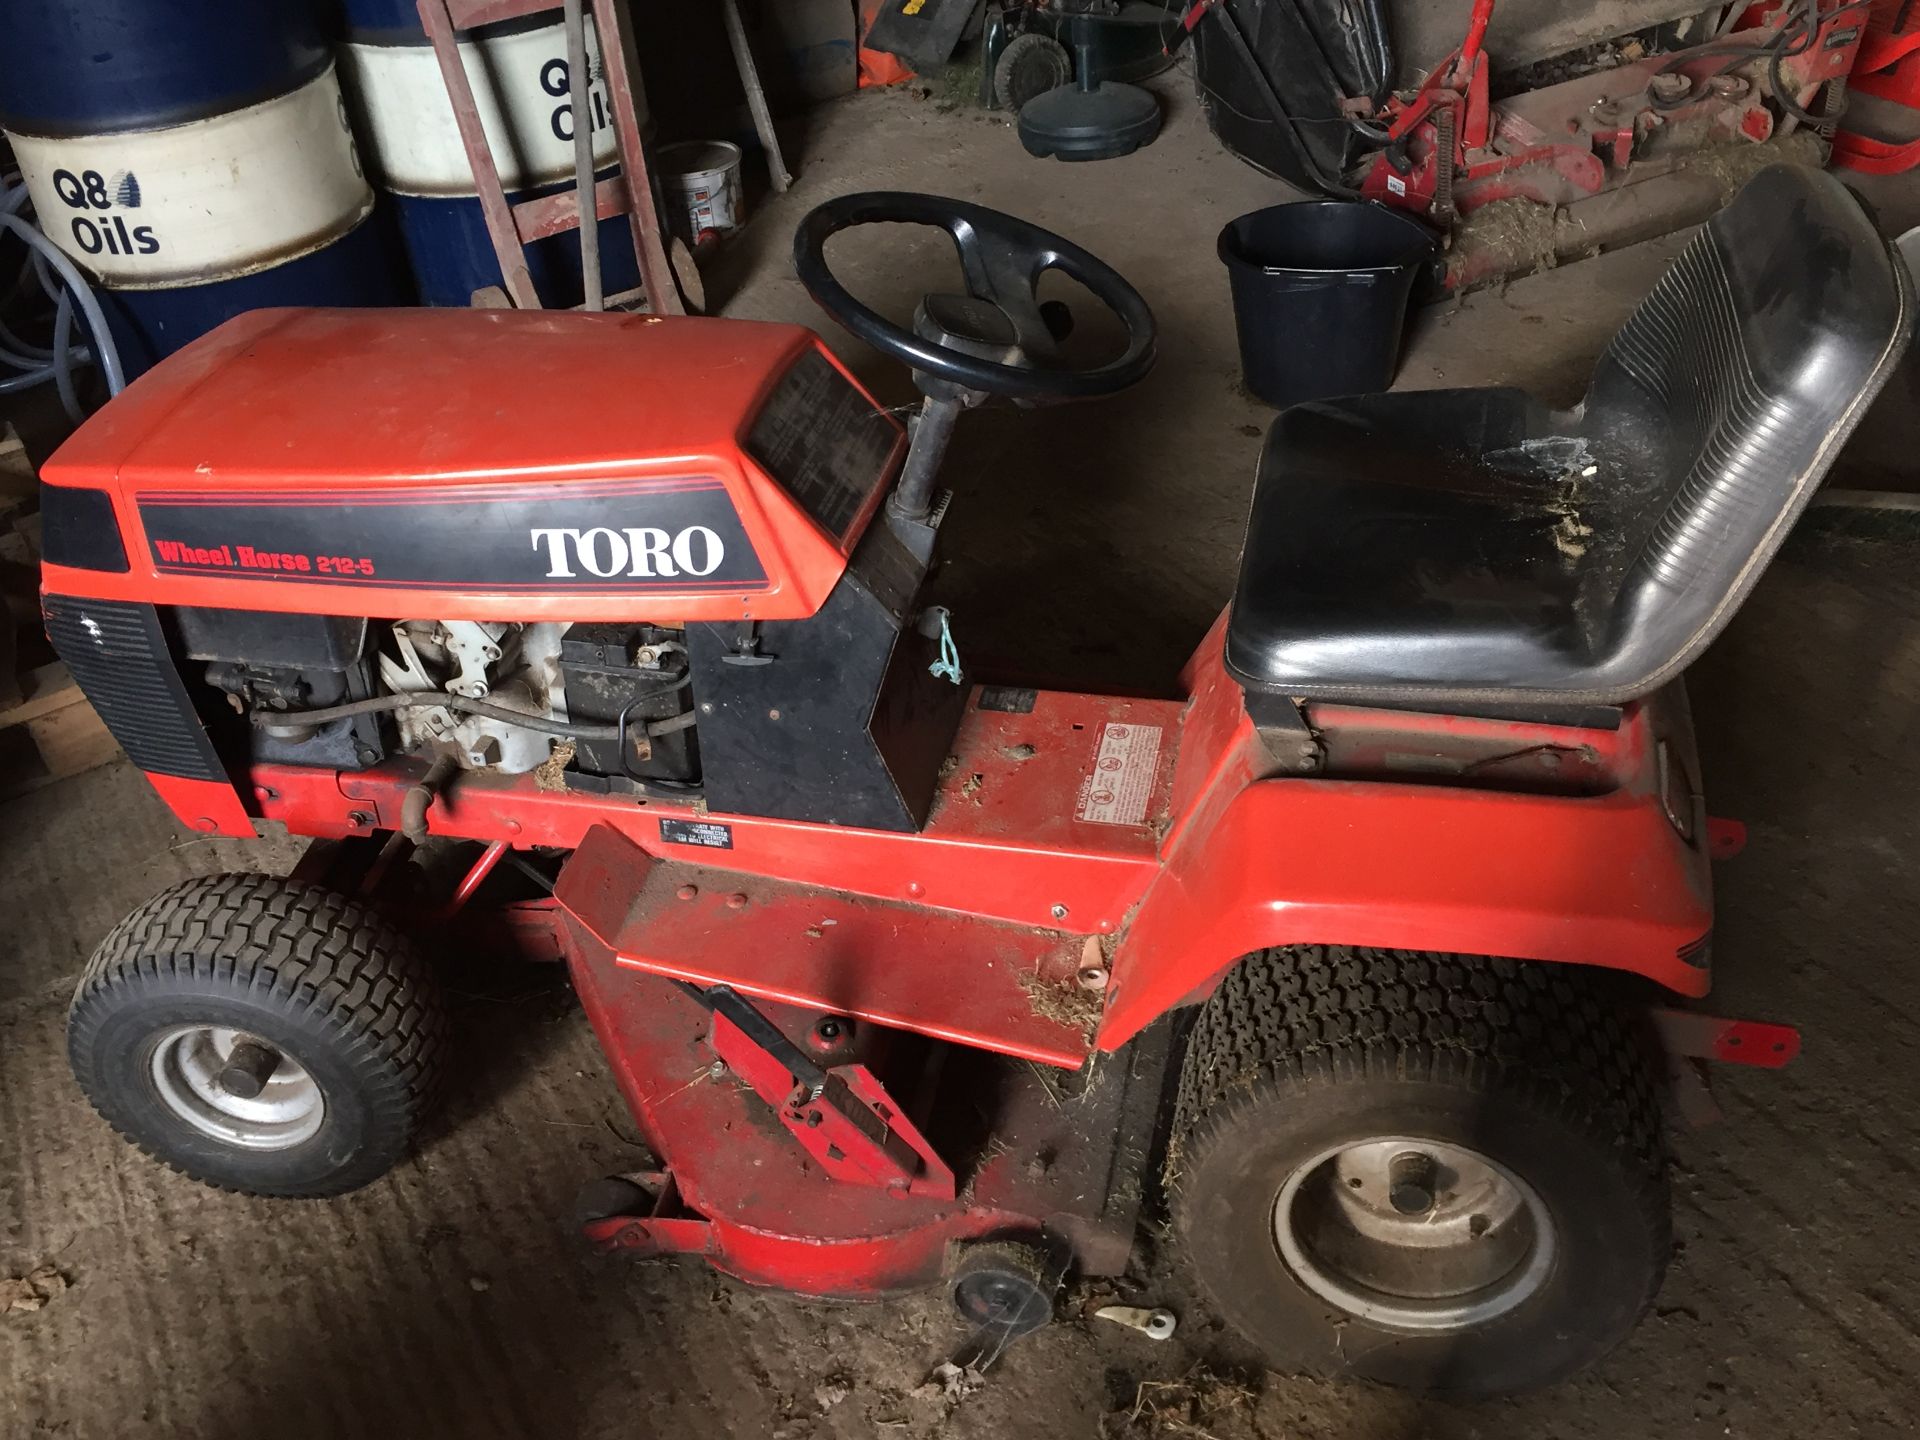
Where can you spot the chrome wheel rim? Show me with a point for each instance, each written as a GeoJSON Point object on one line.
{"type": "Point", "coordinates": [186, 1070]}
{"type": "Point", "coordinates": [1413, 1234]}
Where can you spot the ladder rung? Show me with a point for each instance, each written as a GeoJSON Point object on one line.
{"type": "Point", "coordinates": [621, 299]}
{"type": "Point", "coordinates": [469, 14]}
{"type": "Point", "coordinates": [550, 214]}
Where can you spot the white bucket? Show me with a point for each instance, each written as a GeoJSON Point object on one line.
{"type": "Point", "coordinates": [702, 181]}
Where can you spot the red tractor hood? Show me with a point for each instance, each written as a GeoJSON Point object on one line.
{"type": "Point", "coordinates": [484, 464]}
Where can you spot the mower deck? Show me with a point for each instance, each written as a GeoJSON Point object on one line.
{"type": "Point", "coordinates": [1032, 1151]}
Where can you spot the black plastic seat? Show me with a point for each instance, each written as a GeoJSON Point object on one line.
{"type": "Point", "coordinates": [1473, 547]}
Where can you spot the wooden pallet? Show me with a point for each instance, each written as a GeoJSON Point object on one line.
{"type": "Point", "coordinates": [50, 734]}
{"type": "Point", "coordinates": [19, 556]}
{"type": "Point", "coordinates": [17, 477]}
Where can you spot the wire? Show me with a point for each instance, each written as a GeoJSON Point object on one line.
{"type": "Point", "coordinates": [623, 726]}
{"type": "Point", "coordinates": [1786, 96]}
{"type": "Point", "coordinates": [60, 279]}
{"type": "Point", "coordinates": [545, 882]}
{"type": "Point", "coordinates": [1797, 32]}
{"type": "Point", "coordinates": [466, 705]}
{"type": "Point", "coordinates": [1374, 21]}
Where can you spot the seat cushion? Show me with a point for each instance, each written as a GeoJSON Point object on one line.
{"type": "Point", "coordinates": [1470, 547]}
{"type": "Point", "coordinates": [1405, 544]}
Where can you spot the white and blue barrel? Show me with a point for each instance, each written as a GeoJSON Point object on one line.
{"type": "Point", "coordinates": [194, 158]}
{"type": "Point", "coordinates": [521, 84]}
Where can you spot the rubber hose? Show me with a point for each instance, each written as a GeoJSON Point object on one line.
{"type": "Point", "coordinates": [420, 796]}
{"type": "Point", "coordinates": [435, 700]}
{"type": "Point", "coordinates": [76, 285]}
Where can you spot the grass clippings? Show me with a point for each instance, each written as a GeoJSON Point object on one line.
{"type": "Point", "coordinates": [1200, 1405]}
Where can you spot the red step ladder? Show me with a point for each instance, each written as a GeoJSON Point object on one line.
{"type": "Point", "coordinates": [512, 227]}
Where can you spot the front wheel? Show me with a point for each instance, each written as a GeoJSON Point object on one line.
{"type": "Point", "coordinates": [259, 1035]}
{"type": "Point", "coordinates": [1435, 1171]}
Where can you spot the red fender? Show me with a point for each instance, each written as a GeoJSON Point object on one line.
{"type": "Point", "coordinates": [1604, 880]}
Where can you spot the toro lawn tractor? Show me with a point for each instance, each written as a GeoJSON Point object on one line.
{"type": "Point", "coordinates": [1373, 949]}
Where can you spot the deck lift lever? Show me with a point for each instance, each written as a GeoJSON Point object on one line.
{"type": "Point", "coordinates": [842, 1117]}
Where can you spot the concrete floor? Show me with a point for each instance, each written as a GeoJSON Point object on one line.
{"type": "Point", "coordinates": [1094, 542]}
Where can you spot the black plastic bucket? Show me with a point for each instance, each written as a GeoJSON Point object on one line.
{"type": "Point", "coordinates": [1320, 294]}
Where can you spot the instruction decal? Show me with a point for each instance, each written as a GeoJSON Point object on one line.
{"type": "Point", "coordinates": [1120, 783]}
{"type": "Point", "coordinates": [1008, 699]}
{"type": "Point", "coordinates": [708, 834]}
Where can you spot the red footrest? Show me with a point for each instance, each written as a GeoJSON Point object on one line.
{"type": "Point", "coordinates": [1000, 987]}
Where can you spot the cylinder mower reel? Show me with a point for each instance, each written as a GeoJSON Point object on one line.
{"type": "Point", "coordinates": [908, 973]}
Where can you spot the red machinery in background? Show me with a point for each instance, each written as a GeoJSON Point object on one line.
{"type": "Point", "coordinates": [1888, 71]}
{"type": "Point", "coordinates": [1674, 122]}
{"type": "Point", "coordinates": [1450, 149]}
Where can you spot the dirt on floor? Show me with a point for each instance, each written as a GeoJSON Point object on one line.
{"type": "Point", "coordinates": [1093, 543]}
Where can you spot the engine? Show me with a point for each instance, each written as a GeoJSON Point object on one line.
{"type": "Point", "coordinates": [608, 703]}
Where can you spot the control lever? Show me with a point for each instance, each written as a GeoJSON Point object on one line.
{"type": "Point", "coordinates": [841, 1116]}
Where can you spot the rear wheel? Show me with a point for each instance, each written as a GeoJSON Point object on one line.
{"type": "Point", "coordinates": [1435, 1171]}
{"type": "Point", "coordinates": [259, 1035]}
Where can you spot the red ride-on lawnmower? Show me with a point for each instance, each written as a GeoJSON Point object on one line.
{"type": "Point", "coordinates": [1375, 943]}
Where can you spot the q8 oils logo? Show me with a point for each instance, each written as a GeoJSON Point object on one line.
{"type": "Point", "coordinates": [100, 202]}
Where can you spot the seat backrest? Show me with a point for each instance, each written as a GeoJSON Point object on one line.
{"type": "Point", "coordinates": [1726, 398]}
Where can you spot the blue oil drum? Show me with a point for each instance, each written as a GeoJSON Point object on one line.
{"type": "Point", "coordinates": [194, 158]}
{"type": "Point", "coordinates": [518, 71]}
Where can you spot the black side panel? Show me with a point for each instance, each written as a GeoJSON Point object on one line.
{"type": "Point", "coordinates": [264, 638]}
{"type": "Point", "coordinates": [78, 529]}
{"type": "Point", "coordinates": [118, 654]}
{"type": "Point", "coordinates": [914, 719]}
{"type": "Point", "coordinates": [844, 725]}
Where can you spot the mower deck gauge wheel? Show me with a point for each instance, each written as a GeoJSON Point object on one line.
{"type": "Point", "coordinates": [1004, 1289]}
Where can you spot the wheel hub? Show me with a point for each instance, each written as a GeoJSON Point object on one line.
{"type": "Point", "coordinates": [1412, 1234]}
{"type": "Point", "coordinates": [236, 1088]}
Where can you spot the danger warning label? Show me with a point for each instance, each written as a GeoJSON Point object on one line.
{"type": "Point", "coordinates": [1117, 789]}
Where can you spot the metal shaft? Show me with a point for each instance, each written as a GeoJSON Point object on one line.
{"type": "Point", "coordinates": [579, 82]}
{"type": "Point", "coordinates": [248, 1068]}
{"type": "Point", "coordinates": [756, 95]}
{"type": "Point", "coordinates": [913, 497]}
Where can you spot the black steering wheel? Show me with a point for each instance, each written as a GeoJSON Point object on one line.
{"type": "Point", "coordinates": [1003, 259]}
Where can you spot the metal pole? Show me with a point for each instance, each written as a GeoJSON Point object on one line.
{"type": "Point", "coordinates": [1476, 37]}
{"type": "Point", "coordinates": [502, 229]}
{"type": "Point", "coordinates": [615, 31]}
{"type": "Point", "coordinates": [578, 84]}
{"type": "Point", "coordinates": [756, 96]}
{"type": "Point", "coordinates": [912, 497]}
